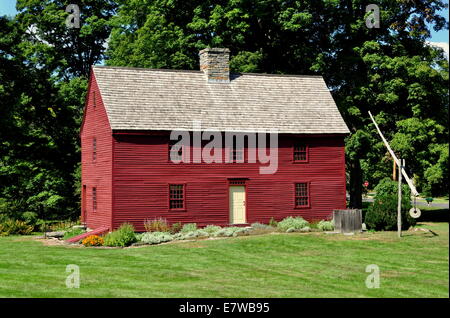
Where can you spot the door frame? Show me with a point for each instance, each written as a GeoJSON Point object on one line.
{"type": "Point", "coordinates": [237, 182]}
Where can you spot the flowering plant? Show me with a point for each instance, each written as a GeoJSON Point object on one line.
{"type": "Point", "coordinates": [92, 240]}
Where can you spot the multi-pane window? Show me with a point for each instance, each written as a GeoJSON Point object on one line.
{"type": "Point", "coordinates": [176, 196]}
{"type": "Point", "coordinates": [94, 149]}
{"type": "Point", "coordinates": [301, 195]}
{"type": "Point", "coordinates": [94, 199]}
{"type": "Point", "coordinates": [300, 152]}
{"type": "Point", "coordinates": [175, 151]}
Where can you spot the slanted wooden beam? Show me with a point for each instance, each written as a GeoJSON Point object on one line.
{"type": "Point", "coordinates": [408, 180]}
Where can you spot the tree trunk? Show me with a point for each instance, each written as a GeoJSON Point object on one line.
{"type": "Point", "coordinates": [356, 181]}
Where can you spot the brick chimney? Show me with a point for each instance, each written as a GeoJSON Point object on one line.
{"type": "Point", "coordinates": [214, 62]}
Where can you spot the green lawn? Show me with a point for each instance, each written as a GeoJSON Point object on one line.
{"type": "Point", "coordinates": [271, 265]}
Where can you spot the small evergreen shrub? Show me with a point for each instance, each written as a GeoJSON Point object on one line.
{"type": "Point", "coordinates": [292, 223]}
{"type": "Point", "coordinates": [156, 237]}
{"type": "Point", "coordinates": [382, 214]}
{"type": "Point", "coordinates": [93, 240]}
{"type": "Point", "coordinates": [325, 225]}
{"type": "Point", "coordinates": [123, 236]}
{"type": "Point", "coordinates": [175, 228]}
{"type": "Point", "coordinates": [156, 225]}
{"type": "Point", "coordinates": [210, 229]}
{"type": "Point", "coordinates": [15, 227]}
{"type": "Point", "coordinates": [188, 227]}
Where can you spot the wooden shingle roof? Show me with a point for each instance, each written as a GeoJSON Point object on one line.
{"type": "Point", "coordinates": [151, 99]}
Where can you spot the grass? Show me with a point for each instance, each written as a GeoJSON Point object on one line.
{"type": "Point", "coordinates": [270, 265]}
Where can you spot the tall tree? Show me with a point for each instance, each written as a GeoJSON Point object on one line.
{"type": "Point", "coordinates": [29, 181]}
{"type": "Point", "coordinates": [68, 51]}
{"type": "Point", "coordinates": [43, 103]}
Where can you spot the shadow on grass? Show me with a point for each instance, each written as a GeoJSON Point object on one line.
{"type": "Point", "coordinates": [439, 215]}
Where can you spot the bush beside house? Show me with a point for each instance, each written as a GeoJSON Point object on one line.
{"type": "Point", "coordinates": [382, 214]}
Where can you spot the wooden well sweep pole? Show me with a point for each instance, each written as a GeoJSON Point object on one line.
{"type": "Point", "coordinates": [399, 204]}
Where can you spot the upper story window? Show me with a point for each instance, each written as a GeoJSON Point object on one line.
{"type": "Point", "coordinates": [94, 149]}
{"type": "Point", "coordinates": [176, 196]}
{"type": "Point", "coordinates": [300, 152]}
{"type": "Point", "coordinates": [94, 199]}
{"type": "Point", "coordinates": [94, 99]}
{"type": "Point", "coordinates": [301, 195]}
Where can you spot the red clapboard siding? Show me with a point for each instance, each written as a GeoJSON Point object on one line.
{"type": "Point", "coordinates": [141, 174]}
{"type": "Point", "coordinates": [96, 174]}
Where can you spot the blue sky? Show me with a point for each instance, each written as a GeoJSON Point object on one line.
{"type": "Point", "coordinates": [8, 7]}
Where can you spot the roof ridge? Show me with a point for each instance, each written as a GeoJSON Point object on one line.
{"type": "Point", "coordinates": [279, 75]}
{"type": "Point", "coordinates": [237, 74]}
{"type": "Point", "coordinates": [146, 69]}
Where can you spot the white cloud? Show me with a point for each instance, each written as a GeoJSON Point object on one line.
{"type": "Point", "coordinates": [442, 45]}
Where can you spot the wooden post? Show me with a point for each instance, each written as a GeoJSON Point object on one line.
{"type": "Point", "coordinates": [399, 204]}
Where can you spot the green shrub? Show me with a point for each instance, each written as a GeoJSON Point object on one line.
{"type": "Point", "coordinates": [54, 225]}
{"type": "Point", "coordinates": [15, 227]}
{"type": "Point", "coordinates": [175, 228]}
{"type": "Point", "coordinates": [231, 231]}
{"type": "Point", "coordinates": [382, 214]}
{"type": "Point", "coordinates": [156, 237]}
{"type": "Point", "coordinates": [30, 218]}
{"type": "Point", "coordinates": [325, 225]}
{"type": "Point", "coordinates": [303, 229]}
{"type": "Point", "coordinates": [156, 225]}
{"type": "Point", "coordinates": [191, 235]}
{"type": "Point", "coordinates": [212, 228]}
{"type": "Point", "coordinates": [123, 236]}
{"type": "Point", "coordinates": [179, 236]}
{"type": "Point", "coordinates": [195, 234]}
{"type": "Point", "coordinates": [72, 233]}
{"type": "Point", "coordinates": [292, 224]}
{"type": "Point", "coordinates": [389, 187]}
{"type": "Point", "coordinates": [3, 217]}
{"type": "Point", "coordinates": [189, 227]}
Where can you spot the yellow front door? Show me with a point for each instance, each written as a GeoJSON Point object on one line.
{"type": "Point", "coordinates": [237, 205]}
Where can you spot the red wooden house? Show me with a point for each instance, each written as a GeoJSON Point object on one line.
{"type": "Point", "coordinates": [127, 175]}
